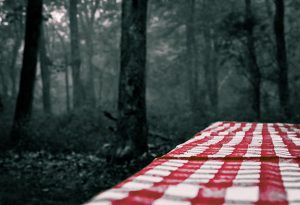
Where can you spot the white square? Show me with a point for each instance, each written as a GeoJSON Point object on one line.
{"type": "Point", "coordinates": [183, 190]}
{"type": "Point", "coordinates": [247, 176]}
{"type": "Point", "coordinates": [158, 172]}
{"type": "Point", "coordinates": [136, 185]}
{"type": "Point", "coordinates": [148, 178]}
{"type": "Point", "coordinates": [168, 168]}
{"type": "Point", "coordinates": [247, 194]}
{"type": "Point", "coordinates": [293, 194]}
{"type": "Point", "coordinates": [111, 195]}
{"type": "Point", "coordinates": [163, 201]}
{"type": "Point", "coordinates": [290, 184]}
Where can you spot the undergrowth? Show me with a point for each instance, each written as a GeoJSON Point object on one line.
{"type": "Point", "coordinates": [63, 160]}
{"type": "Point", "coordinates": [33, 178]}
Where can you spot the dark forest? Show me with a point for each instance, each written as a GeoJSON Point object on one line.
{"type": "Point", "coordinates": [93, 90]}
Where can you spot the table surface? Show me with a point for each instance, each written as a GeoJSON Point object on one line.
{"type": "Point", "coordinates": [227, 163]}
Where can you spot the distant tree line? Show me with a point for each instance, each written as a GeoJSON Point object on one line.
{"type": "Point", "coordinates": [211, 38]}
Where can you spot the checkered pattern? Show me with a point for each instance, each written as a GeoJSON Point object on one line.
{"type": "Point", "coordinates": [227, 163]}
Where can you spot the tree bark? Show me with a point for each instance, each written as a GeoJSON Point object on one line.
{"type": "Point", "coordinates": [132, 122]}
{"type": "Point", "coordinates": [25, 96]}
{"type": "Point", "coordinates": [281, 56]}
{"type": "Point", "coordinates": [13, 73]}
{"type": "Point", "coordinates": [269, 8]}
{"type": "Point", "coordinates": [3, 82]}
{"type": "Point", "coordinates": [66, 69]}
{"type": "Point", "coordinates": [91, 72]}
{"type": "Point", "coordinates": [68, 107]}
{"type": "Point", "coordinates": [252, 60]}
{"type": "Point", "coordinates": [213, 91]}
{"type": "Point", "coordinates": [1, 104]}
{"type": "Point", "coordinates": [210, 60]}
{"type": "Point", "coordinates": [17, 32]}
{"type": "Point", "coordinates": [87, 21]}
{"type": "Point", "coordinates": [45, 73]}
{"type": "Point", "coordinates": [75, 54]}
{"type": "Point", "coordinates": [196, 101]}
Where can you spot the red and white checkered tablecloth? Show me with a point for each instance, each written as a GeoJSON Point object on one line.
{"type": "Point", "coordinates": [227, 163]}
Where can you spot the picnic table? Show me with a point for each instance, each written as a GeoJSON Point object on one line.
{"type": "Point", "coordinates": [227, 163]}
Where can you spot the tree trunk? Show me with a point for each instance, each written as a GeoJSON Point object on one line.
{"type": "Point", "coordinates": [66, 66]}
{"type": "Point", "coordinates": [4, 83]}
{"type": "Point", "coordinates": [68, 108]}
{"type": "Point", "coordinates": [75, 54]}
{"type": "Point", "coordinates": [1, 104]}
{"type": "Point", "coordinates": [213, 91]}
{"type": "Point", "coordinates": [269, 8]}
{"type": "Point", "coordinates": [210, 64]}
{"type": "Point", "coordinates": [13, 73]}
{"type": "Point", "coordinates": [210, 53]}
{"type": "Point", "coordinates": [193, 72]}
{"type": "Point", "coordinates": [281, 56]}
{"type": "Point", "coordinates": [45, 73]}
{"type": "Point", "coordinates": [132, 122]}
{"type": "Point", "coordinates": [87, 18]}
{"type": "Point", "coordinates": [100, 91]}
{"type": "Point", "coordinates": [91, 72]}
{"type": "Point", "coordinates": [252, 61]}
{"type": "Point", "coordinates": [28, 72]}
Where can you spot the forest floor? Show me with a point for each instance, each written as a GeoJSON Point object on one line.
{"type": "Point", "coordinates": [32, 178]}
{"type": "Point", "coordinates": [63, 161]}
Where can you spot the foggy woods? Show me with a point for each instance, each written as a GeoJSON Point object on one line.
{"type": "Point", "coordinates": [118, 79]}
